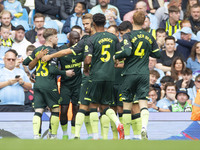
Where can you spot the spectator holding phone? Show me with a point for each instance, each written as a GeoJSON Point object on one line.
{"type": "Point", "coordinates": [13, 81]}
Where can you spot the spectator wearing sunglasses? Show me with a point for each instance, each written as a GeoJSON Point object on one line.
{"type": "Point", "coordinates": [13, 81]}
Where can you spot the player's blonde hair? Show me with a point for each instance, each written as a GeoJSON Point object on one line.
{"type": "Point", "coordinates": [139, 17]}
{"type": "Point", "coordinates": [49, 32]}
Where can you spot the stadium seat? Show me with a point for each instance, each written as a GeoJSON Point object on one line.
{"type": "Point", "coordinates": [32, 14]}
{"type": "Point", "coordinates": [62, 39]}
{"type": "Point", "coordinates": [51, 24]}
{"type": "Point", "coordinates": [24, 16]}
{"type": "Point", "coordinates": [21, 22]}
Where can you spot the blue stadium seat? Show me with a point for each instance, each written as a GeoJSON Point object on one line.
{"type": "Point", "coordinates": [21, 22]}
{"type": "Point", "coordinates": [24, 16]}
{"type": "Point", "coordinates": [32, 17]}
{"type": "Point", "coordinates": [51, 24]}
{"type": "Point", "coordinates": [62, 39]}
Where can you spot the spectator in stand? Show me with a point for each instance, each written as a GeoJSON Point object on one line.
{"type": "Point", "coordinates": [102, 7]}
{"type": "Point", "coordinates": [160, 38]}
{"type": "Point", "coordinates": [164, 81]}
{"type": "Point", "coordinates": [12, 80]}
{"type": "Point", "coordinates": [146, 27]}
{"type": "Point", "coordinates": [187, 81]}
{"type": "Point", "coordinates": [153, 5]}
{"type": "Point", "coordinates": [153, 77]}
{"type": "Point", "coordinates": [38, 23]}
{"type": "Point", "coordinates": [124, 6]}
{"type": "Point", "coordinates": [182, 105]}
{"type": "Point", "coordinates": [40, 37]}
{"type": "Point", "coordinates": [190, 3]}
{"type": "Point", "coordinates": [14, 7]}
{"type": "Point", "coordinates": [152, 63]}
{"type": "Point", "coordinates": [20, 43]}
{"type": "Point", "coordinates": [170, 93]}
{"type": "Point", "coordinates": [152, 104]}
{"type": "Point", "coordinates": [142, 6]}
{"type": "Point", "coordinates": [177, 68]}
{"type": "Point", "coordinates": [163, 14]}
{"type": "Point", "coordinates": [167, 56]}
{"type": "Point", "coordinates": [195, 18]}
{"type": "Point", "coordinates": [172, 24]}
{"type": "Point", "coordinates": [111, 17]}
{"type": "Point", "coordinates": [75, 18]}
{"type": "Point", "coordinates": [185, 43]}
{"type": "Point", "coordinates": [5, 19]}
{"type": "Point", "coordinates": [185, 23]}
{"type": "Point", "coordinates": [50, 9]}
{"type": "Point", "coordinates": [192, 92]}
{"type": "Point", "coordinates": [193, 61]}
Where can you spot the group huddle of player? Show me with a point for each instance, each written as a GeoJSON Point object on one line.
{"type": "Point", "coordinates": [115, 80]}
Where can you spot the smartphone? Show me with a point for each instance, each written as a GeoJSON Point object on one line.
{"type": "Point", "coordinates": [17, 76]}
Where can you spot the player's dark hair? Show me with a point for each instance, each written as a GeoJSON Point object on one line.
{"type": "Point", "coordinates": [115, 27]}
{"type": "Point", "coordinates": [170, 38]}
{"type": "Point", "coordinates": [12, 51]}
{"type": "Point", "coordinates": [77, 27]}
{"type": "Point", "coordinates": [99, 19]}
{"type": "Point", "coordinates": [125, 25]}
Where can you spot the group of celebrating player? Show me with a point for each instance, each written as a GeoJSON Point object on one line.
{"type": "Point", "coordinates": [97, 88]}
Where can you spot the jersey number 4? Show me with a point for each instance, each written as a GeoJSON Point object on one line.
{"type": "Point", "coordinates": [43, 67]}
{"type": "Point", "coordinates": [106, 53]}
{"type": "Point", "coordinates": [139, 51]}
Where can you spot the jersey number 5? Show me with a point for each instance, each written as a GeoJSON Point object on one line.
{"type": "Point", "coordinates": [104, 52]}
{"type": "Point", "coordinates": [45, 73]}
{"type": "Point", "coordinates": [139, 51]}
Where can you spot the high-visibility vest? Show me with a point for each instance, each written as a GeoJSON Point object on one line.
{"type": "Point", "coordinates": [196, 108]}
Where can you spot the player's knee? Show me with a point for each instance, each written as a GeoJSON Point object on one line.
{"type": "Point", "coordinates": [135, 116]}
{"type": "Point", "coordinates": [38, 114]}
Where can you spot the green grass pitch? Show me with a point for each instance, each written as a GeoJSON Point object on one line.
{"type": "Point", "coordinates": [17, 144]}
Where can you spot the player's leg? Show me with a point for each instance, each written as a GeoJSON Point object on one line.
{"type": "Point", "coordinates": [142, 95]}
{"type": "Point", "coordinates": [94, 120]}
{"type": "Point", "coordinates": [74, 112]}
{"type": "Point", "coordinates": [127, 118]}
{"type": "Point", "coordinates": [64, 120]}
{"type": "Point", "coordinates": [105, 124]}
{"type": "Point", "coordinates": [54, 121]}
{"type": "Point", "coordinates": [37, 122]}
{"type": "Point", "coordinates": [113, 126]}
{"type": "Point", "coordinates": [144, 117]}
{"type": "Point", "coordinates": [88, 125]}
{"type": "Point", "coordinates": [136, 120]}
{"type": "Point", "coordinates": [39, 106]}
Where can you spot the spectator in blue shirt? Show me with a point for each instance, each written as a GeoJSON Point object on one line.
{"type": "Point", "coordinates": [170, 93]}
{"type": "Point", "coordinates": [13, 81]}
{"type": "Point", "coordinates": [193, 61]}
{"type": "Point", "coordinates": [14, 7]}
{"type": "Point", "coordinates": [75, 19]}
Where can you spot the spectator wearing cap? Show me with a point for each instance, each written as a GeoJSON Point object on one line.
{"type": "Point", "coordinates": [20, 43]}
{"type": "Point", "coordinates": [182, 105]}
{"type": "Point", "coordinates": [185, 43]}
{"type": "Point", "coordinates": [192, 92]}
{"type": "Point", "coordinates": [185, 23]}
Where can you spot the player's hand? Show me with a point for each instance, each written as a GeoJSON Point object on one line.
{"type": "Point", "coordinates": [70, 73]}
{"type": "Point", "coordinates": [46, 58]}
{"type": "Point", "coordinates": [32, 77]}
{"type": "Point", "coordinates": [42, 53]}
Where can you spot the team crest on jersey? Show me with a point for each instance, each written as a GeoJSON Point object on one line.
{"type": "Point", "coordinates": [125, 42]}
{"type": "Point", "coordinates": [73, 61]}
{"type": "Point", "coordinates": [86, 48]}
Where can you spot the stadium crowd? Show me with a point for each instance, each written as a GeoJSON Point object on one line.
{"type": "Point", "coordinates": [174, 78]}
